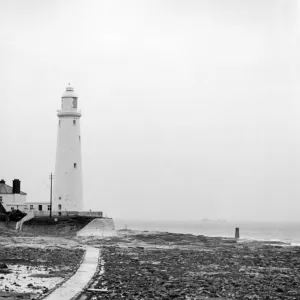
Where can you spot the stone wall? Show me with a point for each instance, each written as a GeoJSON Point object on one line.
{"type": "Point", "coordinates": [60, 226]}
{"type": "Point", "coordinates": [52, 230]}
{"type": "Point", "coordinates": [68, 226]}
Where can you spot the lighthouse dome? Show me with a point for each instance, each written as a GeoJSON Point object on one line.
{"type": "Point", "coordinates": [69, 93]}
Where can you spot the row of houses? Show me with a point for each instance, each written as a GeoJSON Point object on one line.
{"type": "Point", "coordinates": [11, 197]}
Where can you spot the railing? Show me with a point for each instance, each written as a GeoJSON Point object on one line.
{"type": "Point", "coordinates": [38, 213]}
{"type": "Point", "coordinates": [76, 113]}
{"type": "Point", "coordinates": [91, 214]}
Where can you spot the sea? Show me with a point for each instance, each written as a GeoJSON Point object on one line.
{"type": "Point", "coordinates": [287, 232]}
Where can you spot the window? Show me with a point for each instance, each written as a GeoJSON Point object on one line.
{"type": "Point", "coordinates": [1, 199]}
{"type": "Point", "coordinates": [59, 198]}
{"type": "Point", "coordinates": [49, 207]}
{"type": "Point", "coordinates": [40, 207]}
{"type": "Point", "coordinates": [74, 122]}
{"type": "Point", "coordinates": [75, 165]}
{"type": "Point", "coordinates": [31, 206]}
{"type": "Point", "coordinates": [59, 206]}
{"type": "Point", "coordinates": [74, 102]}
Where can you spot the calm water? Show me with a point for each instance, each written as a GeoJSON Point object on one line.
{"type": "Point", "coordinates": [287, 232]}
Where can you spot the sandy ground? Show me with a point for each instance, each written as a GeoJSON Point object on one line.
{"type": "Point", "coordinates": [36, 265]}
{"type": "Point", "coordinates": [28, 278]}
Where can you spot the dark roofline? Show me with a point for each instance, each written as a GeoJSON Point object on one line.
{"type": "Point", "coordinates": [22, 193]}
{"type": "Point", "coordinates": [4, 184]}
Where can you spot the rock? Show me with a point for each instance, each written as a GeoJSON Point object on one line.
{"type": "Point", "coordinates": [3, 266]}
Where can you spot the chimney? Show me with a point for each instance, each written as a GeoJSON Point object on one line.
{"type": "Point", "coordinates": [2, 181]}
{"type": "Point", "coordinates": [16, 186]}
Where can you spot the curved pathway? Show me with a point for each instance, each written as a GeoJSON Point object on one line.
{"type": "Point", "coordinates": [80, 279]}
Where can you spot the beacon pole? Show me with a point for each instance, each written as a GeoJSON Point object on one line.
{"type": "Point", "coordinates": [51, 178]}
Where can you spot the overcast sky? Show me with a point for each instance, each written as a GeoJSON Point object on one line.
{"type": "Point", "coordinates": [190, 107]}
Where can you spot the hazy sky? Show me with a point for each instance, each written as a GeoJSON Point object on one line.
{"type": "Point", "coordinates": [190, 107]}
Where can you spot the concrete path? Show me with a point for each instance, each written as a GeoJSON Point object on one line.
{"type": "Point", "coordinates": [80, 279]}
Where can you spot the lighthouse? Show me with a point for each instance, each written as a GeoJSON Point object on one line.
{"type": "Point", "coordinates": [67, 191]}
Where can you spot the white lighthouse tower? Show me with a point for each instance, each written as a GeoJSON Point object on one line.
{"type": "Point", "coordinates": [67, 191]}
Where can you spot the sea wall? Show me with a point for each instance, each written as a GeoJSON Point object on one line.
{"type": "Point", "coordinates": [99, 227]}
{"type": "Point", "coordinates": [67, 226]}
{"type": "Point", "coordinates": [60, 226]}
{"type": "Point", "coordinates": [52, 230]}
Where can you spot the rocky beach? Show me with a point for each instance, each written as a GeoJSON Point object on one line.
{"type": "Point", "coordinates": [152, 265]}
{"type": "Point", "coordinates": [157, 265]}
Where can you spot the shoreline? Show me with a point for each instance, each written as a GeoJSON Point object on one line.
{"type": "Point", "coordinates": [239, 240]}
{"type": "Point", "coordinates": [278, 231]}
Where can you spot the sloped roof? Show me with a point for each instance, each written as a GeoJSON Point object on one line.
{"type": "Point", "coordinates": [6, 189]}
{"type": "Point", "coordinates": [2, 209]}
